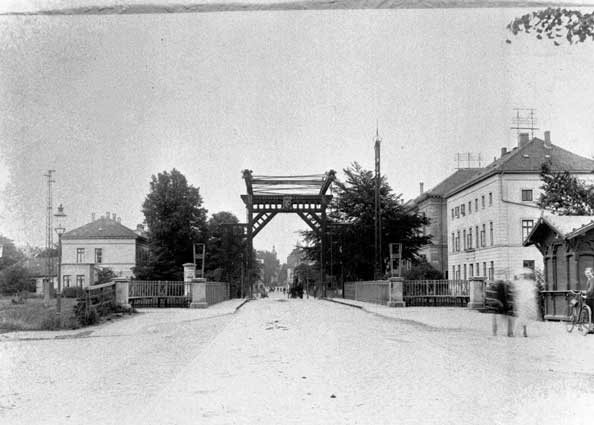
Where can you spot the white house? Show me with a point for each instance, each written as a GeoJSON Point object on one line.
{"type": "Point", "coordinates": [103, 243]}
{"type": "Point", "coordinates": [490, 216]}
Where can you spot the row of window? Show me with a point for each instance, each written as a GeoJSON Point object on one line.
{"type": "Point", "coordinates": [67, 280]}
{"type": "Point", "coordinates": [471, 239]}
{"type": "Point", "coordinates": [80, 255]}
{"type": "Point", "coordinates": [461, 210]}
{"type": "Point", "coordinates": [466, 271]}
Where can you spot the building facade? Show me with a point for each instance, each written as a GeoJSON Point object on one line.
{"type": "Point", "coordinates": [103, 243]}
{"type": "Point", "coordinates": [433, 205]}
{"type": "Point", "coordinates": [490, 216]}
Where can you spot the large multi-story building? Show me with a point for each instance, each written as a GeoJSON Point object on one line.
{"type": "Point", "coordinates": [490, 216]}
{"type": "Point", "coordinates": [433, 205]}
{"type": "Point", "coordinates": [103, 243]}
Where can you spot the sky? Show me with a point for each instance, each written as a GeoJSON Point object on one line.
{"type": "Point", "coordinates": [109, 101]}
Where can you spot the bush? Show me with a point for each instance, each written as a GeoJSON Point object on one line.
{"type": "Point", "coordinates": [85, 316]}
{"type": "Point", "coordinates": [15, 279]}
{"type": "Point", "coordinates": [73, 292]}
{"type": "Point", "coordinates": [422, 270]}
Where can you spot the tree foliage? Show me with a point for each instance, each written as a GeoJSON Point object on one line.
{"type": "Point", "coordinates": [270, 266]}
{"type": "Point", "coordinates": [175, 219]}
{"type": "Point", "coordinates": [104, 275]}
{"type": "Point", "coordinates": [556, 24]}
{"type": "Point", "coordinates": [564, 194]}
{"type": "Point", "coordinates": [10, 254]}
{"type": "Point", "coordinates": [15, 278]}
{"type": "Point", "coordinates": [421, 270]}
{"type": "Point", "coordinates": [351, 246]}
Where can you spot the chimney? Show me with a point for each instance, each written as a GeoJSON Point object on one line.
{"type": "Point", "coordinates": [547, 140]}
{"type": "Point", "coordinates": [107, 215]}
{"type": "Point", "coordinates": [503, 152]}
{"type": "Point", "coordinates": [523, 140]}
{"type": "Point", "coordinates": [92, 216]}
{"type": "Point", "coordinates": [421, 187]}
{"type": "Point", "coordinates": [114, 216]}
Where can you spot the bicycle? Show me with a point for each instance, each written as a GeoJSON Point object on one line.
{"type": "Point", "coordinates": [578, 313]}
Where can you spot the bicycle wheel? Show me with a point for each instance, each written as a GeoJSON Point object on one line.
{"type": "Point", "coordinates": [585, 320]}
{"type": "Point", "coordinates": [571, 318]}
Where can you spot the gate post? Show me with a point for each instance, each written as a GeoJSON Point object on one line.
{"type": "Point", "coordinates": [189, 274]}
{"type": "Point", "coordinates": [199, 293]}
{"type": "Point", "coordinates": [476, 292]}
{"type": "Point", "coordinates": [122, 292]}
{"type": "Point", "coordinates": [396, 287]}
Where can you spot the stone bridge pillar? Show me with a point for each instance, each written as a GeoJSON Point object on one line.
{"type": "Point", "coordinates": [477, 292]}
{"type": "Point", "coordinates": [199, 293]}
{"type": "Point", "coordinates": [122, 291]}
{"type": "Point", "coordinates": [395, 291]}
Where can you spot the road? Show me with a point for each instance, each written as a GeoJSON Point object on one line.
{"type": "Point", "coordinates": [279, 361]}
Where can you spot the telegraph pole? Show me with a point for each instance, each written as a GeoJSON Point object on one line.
{"type": "Point", "coordinates": [378, 216]}
{"type": "Point", "coordinates": [49, 237]}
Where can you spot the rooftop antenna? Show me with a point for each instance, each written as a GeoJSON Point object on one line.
{"type": "Point", "coordinates": [524, 119]}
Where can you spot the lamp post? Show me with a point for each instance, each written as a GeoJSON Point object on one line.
{"type": "Point", "coordinates": [60, 231]}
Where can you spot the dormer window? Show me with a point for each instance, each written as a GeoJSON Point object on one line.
{"type": "Point", "coordinates": [527, 195]}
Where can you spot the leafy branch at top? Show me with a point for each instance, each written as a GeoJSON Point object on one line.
{"type": "Point", "coordinates": [555, 24]}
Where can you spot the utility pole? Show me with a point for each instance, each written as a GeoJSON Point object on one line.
{"type": "Point", "coordinates": [49, 238]}
{"type": "Point", "coordinates": [378, 216]}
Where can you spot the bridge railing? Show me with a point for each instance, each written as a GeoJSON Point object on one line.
{"type": "Point", "coordinates": [217, 292]}
{"type": "Point", "coordinates": [436, 292]}
{"type": "Point", "coordinates": [157, 293]}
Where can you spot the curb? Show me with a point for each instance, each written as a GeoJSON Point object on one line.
{"type": "Point", "coordinates": [242, 304]}
{"type": "Point", "coordinates": [345, 303]}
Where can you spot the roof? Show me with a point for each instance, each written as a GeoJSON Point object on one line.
{"type": "Point", "coordinates": [529, 159]}
{"type": "Point", "coordinates": [452, 181]}
{"type": "Point", "coordinates": [566, 226]}
{"type": "Point", "coordinates": [103, 228]}
{"type": "Point", "coordinates": [38, 266]}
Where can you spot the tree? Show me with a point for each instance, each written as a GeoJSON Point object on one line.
{"type": "Point", "coordinates": [9, 253]}
{"type": "Point", "coordinates": [270, 266]}
{"type": "Point", "coordinates": [225, 250]}
{"type": "Point", "coordinates": [352, 245]}
{"type": "Point", "coordinates": [556, 24]}
{"type": "Point", "coordinates": [15, 278]}
{"type": "Point", "coordinates": [105, 275]}
{"type": "Point", "coordinates": [422, 270]}
{"type": "Point", "coordinates": [175, 219]}
{"type": "Point", "coordinates": [564, 194]}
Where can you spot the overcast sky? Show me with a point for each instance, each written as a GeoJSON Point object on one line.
{"type": "Point", "coordinates": [107, 101]}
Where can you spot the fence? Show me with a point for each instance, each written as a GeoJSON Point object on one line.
{"type": "Point", "coordinates": [101, 297]}
{"type": "Point", "coordinates": [436, 292]}
{"type": "Point", "coordinates": [159, 293]}
{"type": "Point", "coordinates": [375, 291]}
{"type": "Point", "coordinates": [216, 292]}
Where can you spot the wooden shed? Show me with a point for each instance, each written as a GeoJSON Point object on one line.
{"type": "Point", "coordinates": [567, 246]}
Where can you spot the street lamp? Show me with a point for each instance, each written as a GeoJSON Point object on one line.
{"type": "Point", "coordinates": [60, 231]}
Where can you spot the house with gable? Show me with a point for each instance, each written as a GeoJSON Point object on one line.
{"type": "Point", "coordinates": [102, 243]}
{"type": "Point", "coordinates": [491, 215]}
{"type": "Point", "coordinates": [433, 205]}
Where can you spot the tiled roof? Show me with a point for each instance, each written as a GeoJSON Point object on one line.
{"type": "Point", "coordinates": [566, 226]}
{"type": "Point", "coordinates": [456, 179]}
{"type": "Point", "coordinates": [529, 159]}
{"type": "Point", "coordinates": [100, 229]}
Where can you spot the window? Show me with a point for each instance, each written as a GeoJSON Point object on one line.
{"type": "Point", "coordinates": [463, 210]}
{"type": "Point", "coordinates": [98, 255]}
{"type": "Point", "coordinates": [477, 236]}
{"type": "Point", "coordinates": [483, 236]}
{"type": "Point", "coordinates": [66, 281]}
{"type": "Point", "coordinates": [491, 271]}
{"type": "Point", "coordinates": [457, 212]}
{"type": "Point", "coordinates": [527, 226]}
{"type": "Point", "coordinates": [484, 268]}
{"type": "Point", "coordinates": [476, 204]}
{"type": "Point", "coordinates": [452, 213]}
{"type": "Point", "coordinates": [453, 242]}
{"type": "Point", "coordinates": [469, 207]}
{"type": "Point", "coordinates": [464, 238]}
{"type": "Point", "coordinates": [80, 255]}
{"type": "Point", "coordinates": [490, 198]}
{"type": "Point", "coordinates": [471, 270]}
{"type": "Point", "coordinates": [458, 272]}
{"type": "Point", "coordinates": [478, 269]}
{"type": "Point", "coordinates": [465, 277]}
{"type": "Point", "coordinates": [528, 264]}
{"type": "Point", "coordinates": [80, 280]}
{"type": "Point", "coordinates": [458, 241]}
{"type": "Point", "coordinates": [483, 201]}
{"type": "Point", "coordinates": [526, 194]}
{"type": "Point", "coordinates": [453, 272]}
{"type": "Point", "coordinates": [469, 243]}
{"type": "Point", "coordinates": [491, 232]}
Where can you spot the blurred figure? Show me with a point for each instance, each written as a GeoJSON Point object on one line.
{"type": "Point", "coordinates": [525, 298]}
{"type": "Point", "coordinates": [499, 302]}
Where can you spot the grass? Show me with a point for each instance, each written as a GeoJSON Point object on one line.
{"type": "Point", "coordinates": [33, 315]}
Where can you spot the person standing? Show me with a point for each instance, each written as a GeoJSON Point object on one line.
{"type": "Point", "coordinates": [589, 288]}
